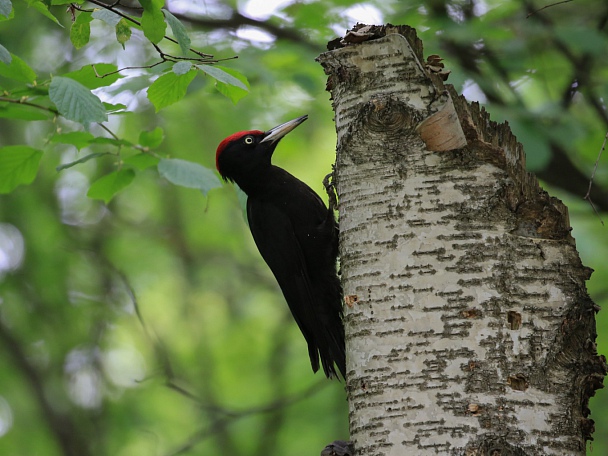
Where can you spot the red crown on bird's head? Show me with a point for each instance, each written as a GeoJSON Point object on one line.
{"type": "Point", "coordinates": [230, 139]}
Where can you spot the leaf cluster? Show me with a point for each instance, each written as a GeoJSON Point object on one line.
{"type": "Point", "coordinates": [75, 96]}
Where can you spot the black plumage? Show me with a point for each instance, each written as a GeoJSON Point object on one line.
{"type": "Point", "coordinates": [296, 235]}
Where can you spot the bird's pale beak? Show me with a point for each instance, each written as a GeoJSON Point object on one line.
{"type": "Point", "coordinates": [275, 134]}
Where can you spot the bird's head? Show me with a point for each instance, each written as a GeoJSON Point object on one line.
{"type": "Point", "coordinates": [245, 154]}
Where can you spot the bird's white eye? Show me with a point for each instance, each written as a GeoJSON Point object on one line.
{"type": "Point", "coordinates": [248, 140]}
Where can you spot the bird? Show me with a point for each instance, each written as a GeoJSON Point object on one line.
{"type": "Point", "coordinates": [297, 236]}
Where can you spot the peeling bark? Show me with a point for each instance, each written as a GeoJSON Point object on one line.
{"type": "Point", "coordinates": [469, 329]}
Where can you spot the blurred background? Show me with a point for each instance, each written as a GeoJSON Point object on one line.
{"type": "Point", "coordinates": [151, 326]}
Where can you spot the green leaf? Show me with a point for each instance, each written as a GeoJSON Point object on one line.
{"type": "Point", "coordinates": [112, 141]}
{"type": "Point", "coordinates": [5, 56]}
{"type": "Point", "coordinates": [5, 8]}
{"type": "Point", "coordinates": [80, 32]}
{"type": "Point", "coordinates": [188, 174]}
{"type": "Point", "coordinates": [87, 75]}
{"type": "Point", "coordinates": [109, 185]}
{"type": "Point", "coordinates": [44, 10]}
{"type": "Point", "coordinates": [153, 20]}
{"type": "Point", "coordinates": [115, 108]}
{"type": "Point", "coordinates": [17, 70]}
{"type": "Point", "coordinates": [107, 16]}
{"type": "Point", "coordinates": [231, 91]}
{"type": "Point", "coordinates": [79, 139]}
{"type": "Point", "coordinates": [18, 166]}
{"type": "Point", "coordinates": [222, 75]}
{"type": "Point", "coordinates": [151, 138]}
{"type": "Point", "coordinates": [30, 91]}
{"type": "Point", "coordinates": [179, 31]}
{"type": "Point", "coordinates": [19, 111]}
{"type": "Point", "coordinates": [182, 67]}
{"type": "Point", "coordinates": [123, 32]}
{"type": "Point", "coordinates": [141, 161]}
{"type": "Point", "coordinates": [86, 158]}
{"type": "Point", "coordinates": [583, 39]}
{"type": "Point", "coordinates": [169, 88]}
{"type": "Point", "coordinates": [75, 102]}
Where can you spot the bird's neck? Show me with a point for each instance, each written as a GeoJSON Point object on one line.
{"type": "Point", "coordinates": [260, 181]}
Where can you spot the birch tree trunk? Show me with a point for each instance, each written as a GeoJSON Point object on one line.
{"type": "Point", "coordinates": [469, 329]}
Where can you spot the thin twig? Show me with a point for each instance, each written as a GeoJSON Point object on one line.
{"type": "Point", "coordinates": [136, 22]}
{"type": "Point", "coordinates": [225, 415]}
{"type": "Point", "coordinates": [27, 103]}
{"type": "Point", "coordinates": [206, 432]}
{"type": "Point", "coordinates": [56, 112]}
{"type": "Point", "coordinates": [582, 67]}
{"type": "Point", "coordinates": [110, 132]}
{"type": "Point", "coordinates": [202, 57]}
{"type": "Point", "coordinates": [587, 197]}
{"type": "Point", "coordinates": [158, 345]}
{"type": "Point", "coordinates": [547, 6]}
{"type": "Point", "coordinates": [127, 68]}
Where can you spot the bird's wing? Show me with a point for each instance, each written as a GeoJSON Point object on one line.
{"type": "Point", "coordinates": [276, 240]}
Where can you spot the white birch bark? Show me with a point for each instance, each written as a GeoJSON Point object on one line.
{"type": "Point", "coordinates": [469, 329]}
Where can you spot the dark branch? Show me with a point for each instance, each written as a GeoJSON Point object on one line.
{"type": "Point", "coordinates": [210, 430]}
{"type": "Point", "coordinates": [237, 20]}
{"type": "Point", "coordinates": [27, 103]}
{"type": "Point", "coordinates": [562, 173]}
{"type": "Point", "coordinates": [62, 426]}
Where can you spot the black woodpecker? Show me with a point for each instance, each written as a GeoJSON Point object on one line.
{"type": "Point", "coordinates": [297, 236]}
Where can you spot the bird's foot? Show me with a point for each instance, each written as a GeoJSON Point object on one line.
{"type": "Point", "coordinates": [330, 188]}
{"type": "Point", "coordinates": [339, 448]}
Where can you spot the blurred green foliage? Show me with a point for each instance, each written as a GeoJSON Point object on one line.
{"type": "Point", "coordinates": [151, 325]}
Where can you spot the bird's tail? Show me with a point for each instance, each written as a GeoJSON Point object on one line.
{"type": "Point", "coordinates": [334, 356]}
{"type": "Point", "coordinates": [328, 344]}
{"type": "Point", "coordinates": [330, 337]}
{"type": "Point", "coordinates": [329, 362]}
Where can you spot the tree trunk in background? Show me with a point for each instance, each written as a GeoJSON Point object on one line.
{"type": "Point", "coordinates": [469, 329]}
